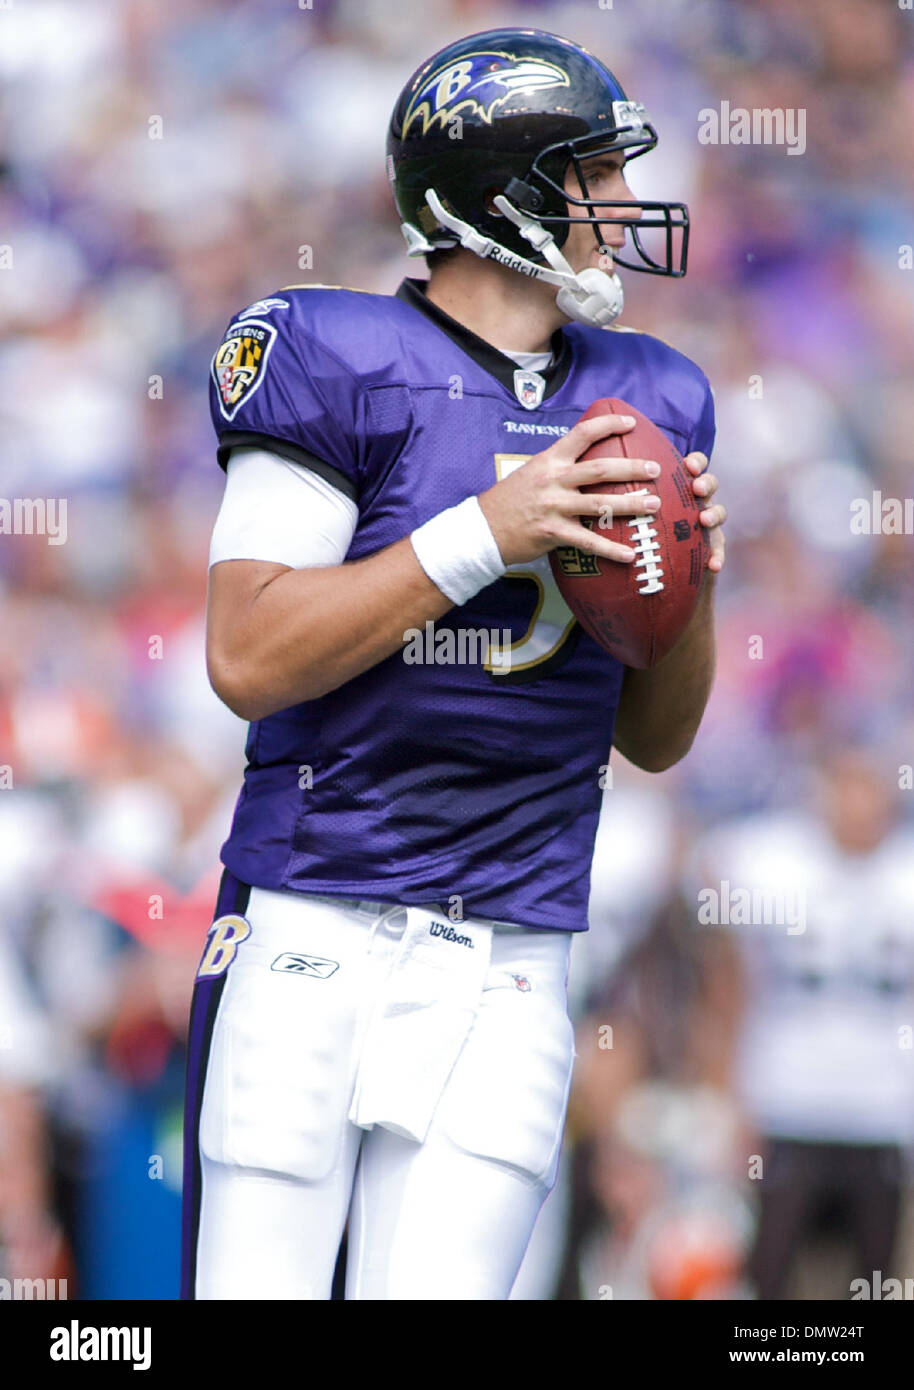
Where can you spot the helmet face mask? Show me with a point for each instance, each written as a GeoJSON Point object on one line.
{"type": "Point", "coordinates": [645, 215]}
{"type": "Point", "coordinates": [505, 115]}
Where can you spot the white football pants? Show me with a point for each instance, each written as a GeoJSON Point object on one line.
{"type": "Point", "coordinates": [275, 1167]}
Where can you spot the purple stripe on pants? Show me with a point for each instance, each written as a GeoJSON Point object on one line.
{"type": "Point", "coordinates": [232, 897]}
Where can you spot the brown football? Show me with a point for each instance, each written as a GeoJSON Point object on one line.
{"type": "Point", "coordinates": [638, 611]}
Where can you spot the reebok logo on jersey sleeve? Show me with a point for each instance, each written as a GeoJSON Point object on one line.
{"type": "Point", "coordinates": [240, 363]}
{"type": "Point", "coordinates": [263, 306]}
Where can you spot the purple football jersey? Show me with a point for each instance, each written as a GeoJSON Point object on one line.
{"type": "Point", "coordinates": [470, 763]}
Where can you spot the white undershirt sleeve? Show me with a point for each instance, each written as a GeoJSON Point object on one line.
{"type": "Point", "coordinates": [282, 512]}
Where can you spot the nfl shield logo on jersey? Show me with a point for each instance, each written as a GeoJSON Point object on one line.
{"type": "Point", "coordinates": [529, 388]}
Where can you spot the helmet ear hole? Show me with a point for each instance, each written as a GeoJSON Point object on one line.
{"type": "Point", "coordinates": [523, 196]}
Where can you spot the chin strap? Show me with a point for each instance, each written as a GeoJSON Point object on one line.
{"type": "Point", "coordinates": [588, 296]}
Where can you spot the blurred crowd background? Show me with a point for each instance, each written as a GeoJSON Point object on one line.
{"type": "Point", "coordinates": [743, 1113]}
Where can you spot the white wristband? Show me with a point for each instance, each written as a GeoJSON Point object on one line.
{"type": "Point", "coordinates": [457, 550]}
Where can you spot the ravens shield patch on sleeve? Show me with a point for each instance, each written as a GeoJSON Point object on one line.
{"type": "Point", "coordinates": [240, 363]}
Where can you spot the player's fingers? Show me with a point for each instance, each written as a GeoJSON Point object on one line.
{"type": "Point", "coordinates": [586, 432]}
{"type": "Point", "coordinates": [611, 471]}
{"type": "Point", "coordinates": [713, 516]}
{"type": "Point", "coordinates": [593, 543]}
{"type": "Point", "coordinates": [696, 463]}
{"type": "Point", "coordinates": [613, 504]}
{"type": "Point", "coordinates": [705, 486]}
{"type": "Point", "coordinates": [718, 552]}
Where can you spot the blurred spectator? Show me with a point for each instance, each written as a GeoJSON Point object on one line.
{"type": "Point", "coordinates": [657, 1211]}
{"type": "Point", "coordinates": [32, 1244]}
{"type": "Point", "coordinates": [824, 1069]}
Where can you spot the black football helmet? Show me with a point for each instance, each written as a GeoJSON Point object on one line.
{"type": "Point", "coordinates": [493, 122]}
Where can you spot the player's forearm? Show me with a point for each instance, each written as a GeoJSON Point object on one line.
{"type": "Point", "coordinates": [661, 709]}
{"type": "Point", "coordinates": [305, 632]}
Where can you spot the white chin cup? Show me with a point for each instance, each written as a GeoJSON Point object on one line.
{"type": "Point", "coordinates": [601, 302]}
{"type": "Point", "coordinates": [590, 296]}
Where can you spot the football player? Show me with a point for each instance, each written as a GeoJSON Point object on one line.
{"type": "Point", "coordinates": [379, 1032]}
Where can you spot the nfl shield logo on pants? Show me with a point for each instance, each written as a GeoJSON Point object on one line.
{"type": "Point", "coordinates": [529, 388]}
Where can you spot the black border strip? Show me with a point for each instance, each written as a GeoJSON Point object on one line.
{"type": "Point", "coordinates": [247, 439]}
{"type": "Point", "coordinates": [414, 293]}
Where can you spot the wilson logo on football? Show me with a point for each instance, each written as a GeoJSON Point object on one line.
{"type": "Point", "coordinates": [481, 82]}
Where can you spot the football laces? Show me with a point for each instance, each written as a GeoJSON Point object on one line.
{"type": "Point", "coordinates": [643, 541]}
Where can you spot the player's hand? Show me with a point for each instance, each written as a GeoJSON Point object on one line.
{"type": "Point", "coordinates": [704, 485]}
{"type": "Point", "coordinates": [539, 505]}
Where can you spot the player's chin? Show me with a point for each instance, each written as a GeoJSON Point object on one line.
{"type": "Point", "coordinates": [604, 258]}
{"type": "Point", "coordinates": [591, 260]}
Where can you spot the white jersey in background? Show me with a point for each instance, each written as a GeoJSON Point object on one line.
{"type": "Point", "coordinates": [826, 1052]}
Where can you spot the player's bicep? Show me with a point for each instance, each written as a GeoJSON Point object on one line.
{"type": "Point", "coordinates": [281, 512]}
{"type": "Point", "coordinates": [276, 516]}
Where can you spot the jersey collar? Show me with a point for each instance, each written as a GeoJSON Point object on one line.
{"type": "Point", "coordinates": [413, 292]}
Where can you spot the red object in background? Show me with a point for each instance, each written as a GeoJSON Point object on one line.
{"type": "Point", "coordinates": [154, 996]}
{"type": "Point", "coordinates": [637, 612]}
{"type": "Point", "coordinates": [157, 914]}
{"type": "Point", "coordinates": [137, 1049]}
{"type": "Point", "coordinates": [693, 1257]}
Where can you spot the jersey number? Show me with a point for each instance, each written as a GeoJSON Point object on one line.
{"type": "Point", "coordinates": [552, 621]}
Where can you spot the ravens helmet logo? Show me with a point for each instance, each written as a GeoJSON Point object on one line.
{"type": "Point", "coordinates": [480, 82]}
